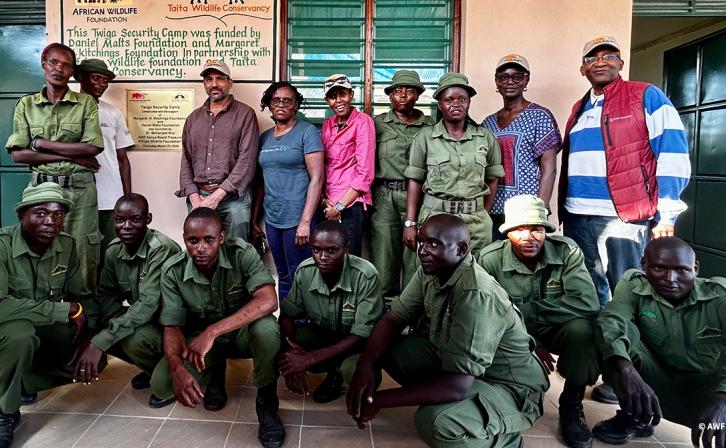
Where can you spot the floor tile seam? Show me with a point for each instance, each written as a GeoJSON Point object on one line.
{"type": "Point", "coordinates": [158, 430]}
{"type": "Point", "coordinates": [370, 432]}
{"type": "Point", "coordinates": [226, 439]}
{"type": "Point", "coordinates": [100, 415]}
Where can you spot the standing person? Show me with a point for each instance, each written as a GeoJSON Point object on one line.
{"type": "Point", "coordinates": [217, 301]}
{"type": "Point", "coordinates": [44, 307]}
{"type": "Point", "coordinates": [292, 162]}
{"type": "Point", "coordinates": [455, 165]}
{"type": "Point", "coordinates": [662, 342]}
{"type": "Point", "coordinates": [546, 278]}
{"type": "Point", "coordinates": [473, 372]}
{"type": "Point", "coordinates": [395, 130]}
{"type": "Point", "coordinates": [64, 154]}
{"type": "Point", "coordinates": [219, 153]}
{"type": "Point", "coordinates": [528, 138]}
{"type": "Point", "coordinates": [349, 139]}
{"type": "Point", "coordinates": [113, 179]}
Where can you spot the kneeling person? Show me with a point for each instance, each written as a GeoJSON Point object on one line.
{"type": "Point", "coordinates": [546, 278]}
{"type": "Point", "coordinates": [662, 339]}
{"type": "Point", "coordinates": [131, 273]}
{"type": "Point", "coordinates": [474, 375]}
{"type": "Point", "coordinates": [341, 295]}
{"type": "Point", "coordinates": [217, 301]}
{"type": "Point", "coordinates": [41, 292]}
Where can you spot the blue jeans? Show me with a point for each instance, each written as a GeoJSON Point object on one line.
{"type": "Point", "coordinates": [355, 220]}
{"type": "Point", "coordinates": [610, 247]}
{"type": "Point", "coordinates": [286, 254]}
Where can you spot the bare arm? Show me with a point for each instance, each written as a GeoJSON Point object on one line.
{"type": "Point", "coordinates": [124, 168]}
{"type": "Point", "coordinates": [186, 388]}
{"type": "Point", "coordinates": [257, 203]}
{"type": "Point", "coordinates": [70, 150]}
{"type": "Point", "coordinates": [413, 202]}
{"type": "Point", "coordinates": [315, 164]}
{"type": "Point", "coordinates": [492, 183]}
{"type": "Point", "coordinates": [548, 169]}
{"type": "Point", "coordinates": [33, 158]}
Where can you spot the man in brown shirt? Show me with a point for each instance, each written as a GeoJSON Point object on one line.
{"type": "Point", "coordinates": [219, 153]}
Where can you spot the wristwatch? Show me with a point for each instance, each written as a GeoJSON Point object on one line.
{"type": "Point", "coordinates": [408, 223]}
{"type": "Point", "coordinates": [339, 206]}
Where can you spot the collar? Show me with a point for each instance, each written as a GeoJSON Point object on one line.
{"type": "Point", "coordinates": [20, 246]}
{"type": "Point", "coordinates": [142, 252]}
{"type": "Point", "coordinates": [40, 98]}
{"type": "Point", "coordinates": [464, 265]}
{"type": "Point", "coordinates": [471, 131]}
{"type": "Point", "coordinates": [595, 98]}
{"type": "Point", "coordinates": [192, 273]}
{"type": "Point", "coordinates": [510, 262]}
{"type": "Point", "coordinates": [208, 102]}
{"type": "Point", "coordinates": [317, 283]}
{"type": "Point", "coordinates": [391, 117]}
{"type": "Point", "coordinates": [702, 291]}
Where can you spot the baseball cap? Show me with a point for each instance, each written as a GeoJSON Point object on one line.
{"type": "Point", "coordinates": [513, 59]}
{"type": "Point", "coordinates": [216, 64]}
{"type": "Point", "coordinates": [600, 41]}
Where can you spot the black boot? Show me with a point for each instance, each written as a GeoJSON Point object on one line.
{"type": "Point", "coordinates": [215, 395]}
{"type": "Point", "coordinates": [271, 433]}
{"type": "Point", "coordinates": [8, 423]}
{"type": "Point", "coordinates": [573, 426]}
{"type": "Point", "coordinates": [28, 399]}
{"type": "Point", "coordinates": [329, 389]}
{"type": "Point", "coordinates": [620, 429]}
{"type": "Point", "coordinates": [604, 393]}
{"type": "Point", "coordinates": [141, 381]}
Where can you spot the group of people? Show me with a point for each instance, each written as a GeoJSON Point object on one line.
{"type": "Point", "coordinates": [483, 317]}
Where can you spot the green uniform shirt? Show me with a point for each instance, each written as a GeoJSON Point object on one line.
{"type": "Point", "coordinates": [393, 141]}
{"type": "Point", "coordinates": [454, 169]}
{"type": "Point", "coordinates": [560, 288]}
{"type": "Point", "coordinates": [38, 288]}
{"type": "Point", "coordinates": [191, 301]}
{"type": "Point", "coordinates": [73, 119]}
{"type": "Point", "coordinates": [134, 278]}
{"type": "Point", "coordinates": [689, 338]}
{"type": "Point", "coordinates": [473, 325]}
{"type": "Point", "coordinates": [352, 306]}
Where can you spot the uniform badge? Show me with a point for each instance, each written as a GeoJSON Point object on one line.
{"type": "Point", "coordinates": [348, 307]}
{"type": "Point", "coordinates": [648, 316]}
{"type": "Point", "coordinates": [708, 332]}
{"type": "Point", "coordinates": [235, 289]}
{"type": "Point", "coordinates": [553, 283]}
{"type": "Point", "coordinates": [59, 270]}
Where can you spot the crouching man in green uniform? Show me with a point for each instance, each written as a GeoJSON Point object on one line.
{"type": "Point", "coordinates": [42, 306]}
{"type": "Point", "coordinates": [217, 301]}
{"type": "Point", "coordinates": [663, 339]}
{"type": "Point", "coordinates": [132, 273]}
{"type": "Point", "coordinates": [474, 375]}
{"type": "Point", "coordinates": [341, 296]}
{"type": "Point", "coordinates": [546, 278]}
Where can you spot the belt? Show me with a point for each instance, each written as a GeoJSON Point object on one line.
{"type": "Point", "coordinates": [399, 185]}
{"type": "Point", "coordinates": [70, 180]}
{"type": "Point", "coordinates": [453, 207]}
{"type": "Point", "coordinates": [210, 185]}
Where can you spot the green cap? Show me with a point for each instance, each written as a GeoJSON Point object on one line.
{"type": "Point", "coordinates": [41, 194]}
{"type": "Point", "coordinates": [525, 210]}
{"type": "Point", "coordinates": [454, 79]}
{"type": "Point", "coordinates": [407, 78]}
{"type": "Point", "coordinates": [93, 66]}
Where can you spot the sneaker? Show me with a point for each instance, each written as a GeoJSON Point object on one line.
{"type": "Point", "coordinates": [620, 429]}
{"type": "Point", "coordinates": [329, 389]}
{"type": "Point", "coordinates": [141, 381]}
{"type": "Point", "coordinates": [271, 433]}
{"type": "Point", "coordinates": [8, 423]}
{"type": "Point", "coordinates": [604, 393]}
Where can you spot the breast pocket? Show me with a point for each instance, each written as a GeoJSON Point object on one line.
{"type": "Point", "coordinates": [20, 286]}
{"type": "Point", "coordinates": [437, 167]}
{"type": "Point", "coordinates": [70, 132]}
{"type": "Point", "coordinates": [36, 131]}
{"type": "Point", "coordinates": [480, 164]}
{"type": "Point", "coordinates": [709, 350]}
{"type": "Point", "coordinates": [387, 145]}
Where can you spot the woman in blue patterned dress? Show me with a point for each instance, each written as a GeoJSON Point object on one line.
{"type": "Point", "coordinates": [528, 138]}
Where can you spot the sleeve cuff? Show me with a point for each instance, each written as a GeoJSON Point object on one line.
{"type": "Point", "coordinates": [361, 185]}
{"type": "Point", "coordinates": [418, 174]}
{"type": "Point", "coordinates": [230, 188]}
{"type": "Point", "coordinates": [104, 340]}
{"type": "Point", "coordinates": [617, 348]}
{"type": "Point", "coordinates": [494, 171]}
{"type": "Point", "coordinates": [667, 218]}
{"type": "Point", "coordinates": [173, 318]}
{"type": "Point", "coordinates": [186, 191]}
{"type": "Point", "coordinates": [60, 312]}
{"type": "Point", "coordinates": [291, 310]}
{"type": "Point", "coordinates": [363, 331]}
{"type": "Point", "coordinates": [460, 364]}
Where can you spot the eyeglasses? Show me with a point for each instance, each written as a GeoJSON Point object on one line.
{"type": "Point", "coordinates": [610, 57]}
{"type": "Point", "coordinates": [287, 102]}
{"type": "Point", "coordinates": [504, 78]}
{"type": "Point", "coordinates": [451, 101]}
{"type": "Point", "coordinates": [56, 63]}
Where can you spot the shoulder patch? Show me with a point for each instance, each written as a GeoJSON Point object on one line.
{"type": "Point", "coordinates": [173, 260]}
{"type": "Point", "coordinates": [365, 267]}
{"type": "Point", "coordinates": [492, 247]}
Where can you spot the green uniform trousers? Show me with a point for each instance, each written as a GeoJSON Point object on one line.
{"type": "Point", "coordinates": [489, 417]}
{"type": "Point", "coordinates": [34, 357]}
{"type": "Point", "coordinates": [81, 223]}
{"type": "Point", "coordinates": [108, 232]}
{"type": "Point", "coordinates": [259, 340]}
{"type": "Point", "coordinates": [479, 224]}
{"type": "Point", "coordinates": [312, 337]}
{"type": "Point", "coordinates": [235, 213]}
{"type": "Point", "coordinates": [682, 395]}
{"type": "Point", "coordinates": [394, 262]}
{"type": "Point", "coordinates": [574, 342]}
{"type": "Point", "coordinates": [144, 348]}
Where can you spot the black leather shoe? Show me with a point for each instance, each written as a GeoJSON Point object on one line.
{"type": "Point", "coordinates": [573, 426]}
{"type": "Point", "coordinates": [8, 423]}
{"type": "Point", "coordinates": [157, 403]}
{"type": "Point", "coordinates": [271, 433]}
{"type": "Point", "coordinates": [604, 393]}
{"type": "Point", "coordinates": [141, 381]}
{"type": "Point", "coordinates": [26, 399]}
{"type": "Point", "coordinates": [329, 389]}
{"type": "Point", "coordinates": [620, 429]}
{"type": "Point", "coordinates": [215, 397]}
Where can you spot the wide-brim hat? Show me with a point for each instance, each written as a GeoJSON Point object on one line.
{"type": "Point", "coordinates": [93, 66]}
{"type": "Point", "coordinates": [453, 79]}
{"type": "Point", "coordinates": [405, 78]}
{"type": "Point", "coordinates": [513, 59]}
{"type": "Point", "coordinates": [41, 194]}
{"type": "Point", "coordinates": [525, 210]}
{"type": "Point", "coordinates": [600, 41]}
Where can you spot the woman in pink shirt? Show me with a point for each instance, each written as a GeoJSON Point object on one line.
{"type": "Point", "coordinates": [349, 139]}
